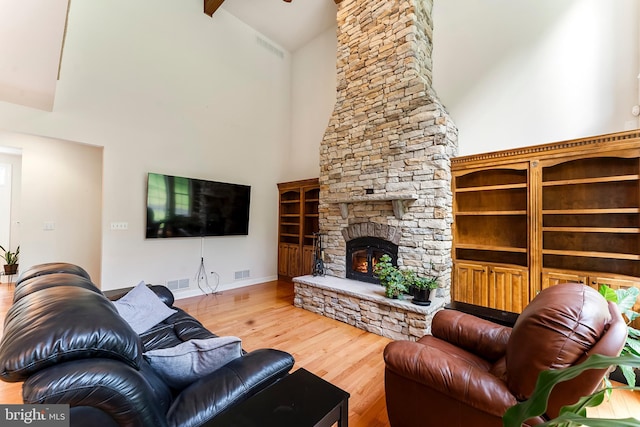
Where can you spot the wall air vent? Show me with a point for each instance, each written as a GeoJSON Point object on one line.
{"type": "Point", "coordinates": [270, 47]}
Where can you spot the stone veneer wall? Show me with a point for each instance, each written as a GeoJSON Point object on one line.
{"type": "Point", "coordinates": [365, 309]}
{"type": "Point", "coordinates": [388, 133]}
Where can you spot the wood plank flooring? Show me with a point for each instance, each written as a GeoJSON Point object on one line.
{"type": "Point", "coordinates": [264, 316]}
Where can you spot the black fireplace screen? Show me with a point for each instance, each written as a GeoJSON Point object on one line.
{"type": "Point", "coordinates": [362, 255]}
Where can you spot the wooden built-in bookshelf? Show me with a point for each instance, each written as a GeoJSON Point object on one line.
{"type": "Point", "coordinates": [548, 214]}
{"type": "Point", "coordinates": [297, 223]}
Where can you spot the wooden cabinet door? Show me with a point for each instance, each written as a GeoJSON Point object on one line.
{"type": "Point", "coordinates": [470, 284]}
{"type": "Point", "coordinates": [307, 260]}
{"type": "Point", "coordinates": [288, 260]}
{"type": "Point", "coordinates": [550, 278]}
{"type": "Point", "coordinates": [294, 261]}
{"type": "Point", "coordinates": [283, 259]}
{"type": "Point", "coordinates": [508, 288]}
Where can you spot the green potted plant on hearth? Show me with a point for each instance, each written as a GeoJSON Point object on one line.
{"type": "Point", "coordinates": [397, 282]}
{"type": "Point", "coordinates": [11, 259]}
{"type": "Point", "coordinates": [391, 277]}
{"type": "Point", "coordinates": [422, 288]}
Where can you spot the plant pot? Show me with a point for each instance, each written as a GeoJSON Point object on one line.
{"type": "Point", "coordinates": [421, 296]}
{"type": "Point", "coordinates": [10, 269]}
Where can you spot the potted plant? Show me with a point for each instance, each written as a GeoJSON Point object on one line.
{"type": "Point", "coordinates": [391, 277]}
{"type": "Point", "coordinates": [422, 287]}
{"type": "Point", "coordinates": [398, 282]}
{"type": "Point", "coordinates": [11, 259]}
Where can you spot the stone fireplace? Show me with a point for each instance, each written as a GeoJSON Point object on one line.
{"type": "Point", "coordinates": [366, 246]}
{"type": "Point", "coordinates": [385, 156]}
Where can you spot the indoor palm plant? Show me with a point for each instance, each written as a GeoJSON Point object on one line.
{"type": "Point", "coordinates": [576, 414]}
{"type": "Point", "coordinates": [11, 259]}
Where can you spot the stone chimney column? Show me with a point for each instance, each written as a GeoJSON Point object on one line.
{"type": "Point", "coordinates": [389, 137]}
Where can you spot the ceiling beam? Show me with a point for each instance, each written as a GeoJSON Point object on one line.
{"type": "Point", "coordinates": [210, 6]}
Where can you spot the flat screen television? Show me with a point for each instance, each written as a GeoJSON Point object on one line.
{"type": "Point", "coordinates": [188, 207]}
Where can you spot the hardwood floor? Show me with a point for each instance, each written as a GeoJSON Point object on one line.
{"type": "Point", "coordinates": [264, 316]}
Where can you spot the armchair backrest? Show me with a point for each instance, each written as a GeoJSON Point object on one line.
{"type": "Point", "coordinates": [561, 327]}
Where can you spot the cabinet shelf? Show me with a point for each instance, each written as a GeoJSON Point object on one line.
{"type": "Point", "coordinates": [592, 229]}
{"type": "Point", "coordinates": [491, 213]}
{"type": "Point", "coordinates": [491, 187]}
{"type": "Point", "coordinates": [590, 211]}
{"type": "Point", "coordinates": [290, 201]}
{"type": "Point", "coordinates": [602, 179]}
{"type": "Point", "coordinates": [584, 254]}
{"type": "Point", "coordinates": [491, 248]}
{"type": "Point", "coordinates": [288, 235]}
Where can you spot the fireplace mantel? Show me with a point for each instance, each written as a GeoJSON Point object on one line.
{"type": "Point", "coordinates": [397, 200]}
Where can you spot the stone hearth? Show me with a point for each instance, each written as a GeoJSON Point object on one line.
{"type": "Point", "coordinates": [364, 306]}
{"type": "Point", "coordinates": [385, 156]}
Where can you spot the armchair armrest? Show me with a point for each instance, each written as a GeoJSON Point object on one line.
{"type": "Point", "coordinates": [110, 386]}
{"type": "Point", "coordinates": [481, 337]}
{"type": "Point", "coordinates": [454, 377]}
{"type": "Point", "coordinates": [231, 384]}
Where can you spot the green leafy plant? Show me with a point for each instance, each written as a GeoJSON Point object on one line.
{"type": "Point", "coordinates": [576, 414]}
{"type": "Point", "coordinates": [398, 282]}
{"type": "Point", "coordinates": [10, 257]}
{"type": "Point", "coordinates": [393, 280]}
{"type": "Point", "coordinates": [426, 283]}
{"type": "Point", "coordinates": [626, 299]}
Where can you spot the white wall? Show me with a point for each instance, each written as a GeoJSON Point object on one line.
{"type": "Point", "coordinates": [30, 59]}
{"type": "Point", "coordinates": [165, 88]}
{"type": "Point", "coordinates": [313, 98]}
{"type": "Point", "coordinates": [514, 73]}
{"type": "Point", "coordinates": [10, 204]}
{"type": "Point", "coordinates": [60, 185]}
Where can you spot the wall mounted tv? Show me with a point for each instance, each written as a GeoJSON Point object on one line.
{"type": "Point", "coordinates": [187, 207]}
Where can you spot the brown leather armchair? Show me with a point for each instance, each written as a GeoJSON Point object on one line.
{"type": "Point", "coordinates": [470, 371]}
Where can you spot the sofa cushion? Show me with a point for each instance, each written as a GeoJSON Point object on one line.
{"type": "Point", "coordinates": [142, 308]}
{"type": "Point", "coordinates": [51, 268]}
{"type": "Point", "coordinates": [63, 323]}
{"type": "Point", "coordinates": [185, 363]}
{"type": "Point", "coordinates": [38, 283]}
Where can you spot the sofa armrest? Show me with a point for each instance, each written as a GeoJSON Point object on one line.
{"type": "Point", "coordinates": [231, 384]}
{"type": "Point", "coordinates": [481, 337]}
{"type": "Point", "coordinates": [452, 376]}
{"type": "Point", "coordinates": [120, 391]}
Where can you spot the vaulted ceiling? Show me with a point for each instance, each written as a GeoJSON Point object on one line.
{"type": "Point", "coordinates": [289, 24]}
{"type": "Point", "coordinates": [210, 6]}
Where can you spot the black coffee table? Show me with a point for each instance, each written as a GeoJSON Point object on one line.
{"type": "Point", "coordinates": [299, 400]}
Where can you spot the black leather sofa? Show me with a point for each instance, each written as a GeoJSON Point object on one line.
{"type": "Point", "coordinates": [69, 345]}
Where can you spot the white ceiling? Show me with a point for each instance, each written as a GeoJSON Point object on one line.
{"type": "Point", "coordinates": [291, 25]}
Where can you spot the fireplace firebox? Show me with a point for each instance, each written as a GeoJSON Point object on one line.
{"type": "Point", "coordinates": [363, 254]}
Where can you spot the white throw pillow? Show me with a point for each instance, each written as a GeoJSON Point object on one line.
{"type": "Point", "coordinates": [142, 308]}
{"type": "Point", "coordinates": [191, 360]}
